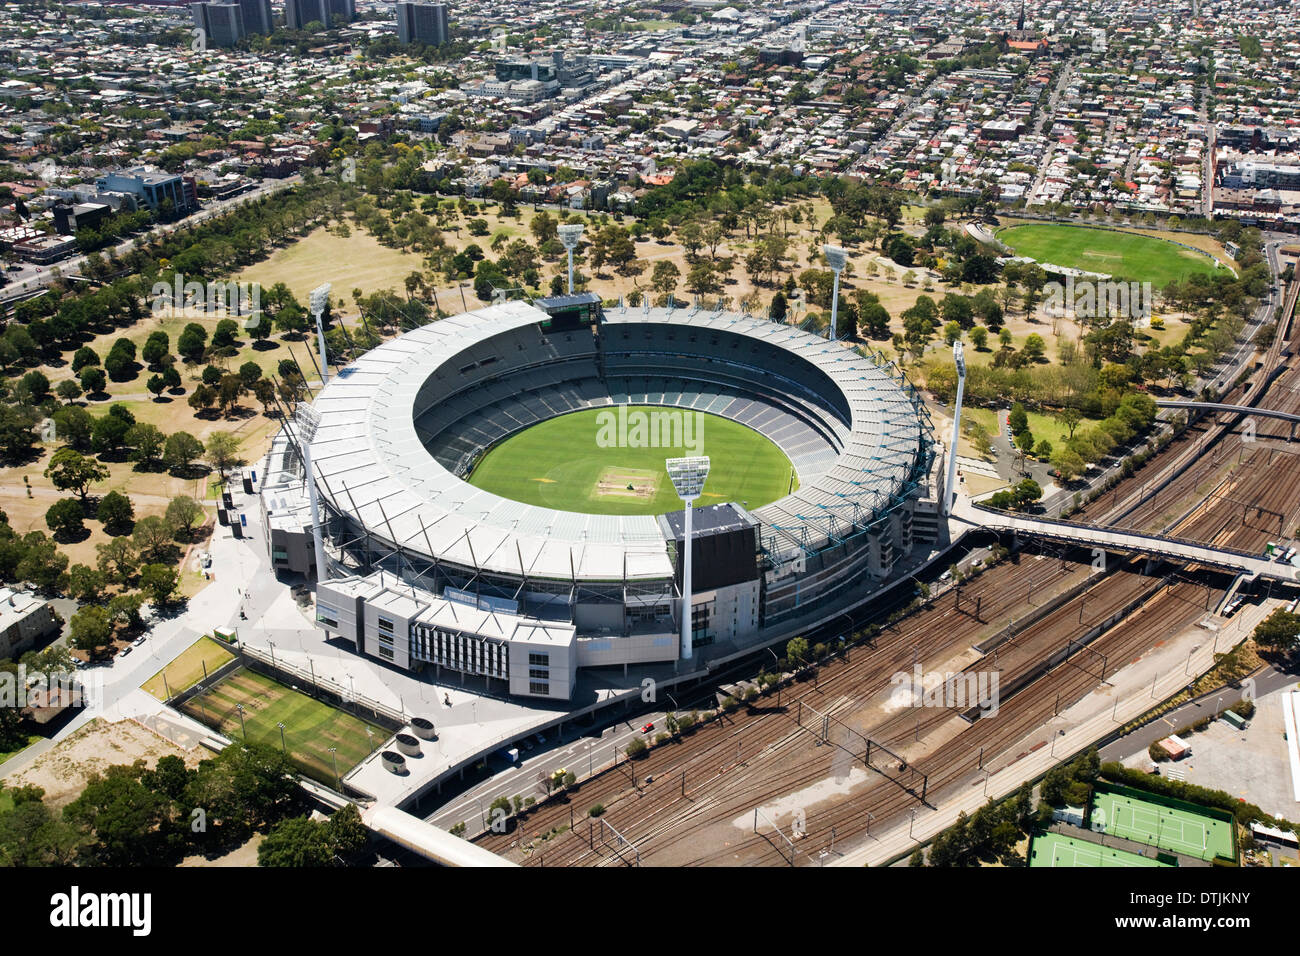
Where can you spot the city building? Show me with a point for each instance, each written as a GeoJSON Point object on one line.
{"type": "Point", "coordinates": [257, 16]}
{"type": "Point", "coordinates": [154, 187]}
{"type": "Point", "coordinates": [298, 14]}
{"type": "Point", "coordinates": [222, 23]}
{"type": "Point", "coordinates": [24, 620]}
{"type": "Point", "coordinates": [422, 23]}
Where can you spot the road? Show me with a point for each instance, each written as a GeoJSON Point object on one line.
{"type": "Point", "coordinates": [32, 277]}
{"type": "Point", "coordinates": [1067, 71]}
{"type": "Point", "coordinates": [1269, 680]}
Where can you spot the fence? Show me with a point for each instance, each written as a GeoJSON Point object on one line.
{"type": "Point", "coordinates": [322, 688]}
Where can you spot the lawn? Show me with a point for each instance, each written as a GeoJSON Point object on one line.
{"type": "Point", "coordinates": [311, 727]}
{"type": "Point", "coordinates": [190, 666]}
{"type": "Point", "coordinates": [1042, 426]}
{"type": "Point", "coordinates": [6, 754]}
{"type": "Point", "coordinates": [1136, 257]}
{"type": "Point", "coordinates": [567, 463]}
{"type": "Point", "coordinates": [356, 262]}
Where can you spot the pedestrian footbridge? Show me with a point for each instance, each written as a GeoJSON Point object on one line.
{"type": "Point", "coordinates": [1247, 563]}
{"type": "Point", "coordinates": [1231, 409]}
{"type": "Point", "coordinates": [429, 841]}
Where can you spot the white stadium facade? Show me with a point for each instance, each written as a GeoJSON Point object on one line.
{"type": "Point", "coordinates": [426, 570]}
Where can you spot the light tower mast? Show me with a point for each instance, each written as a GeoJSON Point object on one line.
{"type": "Point", "coordinates": [835, 258]}
{"type": "Point", "coordinates": [319, 300]}
{"type": "Point", "coordinates": [687, 476]}
{"type": "Point", "coordinates": [306, 421]}
{"type": "Point", "coordinates": [570, 233]}
{"type": "Point", "coordinates": [949, 490]}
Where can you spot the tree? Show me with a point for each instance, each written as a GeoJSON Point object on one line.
{"type": "Point", "coordinates": [74, 426]}
{"type": "Point", "coordinates": [192, 342]}
{"type": "Point", "coordinates": [223, 451]}
{"type": "Point", "coordinates": [109, 433]}
{"type": "Point", "coordinates": [30, 834]}
{"type": "Point", "coordinates": [152, 537]}
{"type": "Point", "coordinates": [228, 393]}
{"type": "Point", "coordinates": [146, 442]}
{"type": "Point", "coordinates": [65, 519]}
{"type": "Point", "coordinates": [116, 558]}
{"type": "Point", "coordinates": [664, 277]}
{"type": "Point", "coordinates": [69, 470]}
{"type": "Point", "coordinates": [296, 842]}
{"type": "Point", "coordinates": [93, 380]}
{"type": "Point", "coordinates": [979, 337]}
{"type": "Point", "coordinates": [36, 385]}
{"type": "Point", "coordinates": [85, 584]}
{"type": "Point", "coordinates": [1069, 418]}
{"type": "Point", "coordinates": [1279, 630]}
{"type": "Point", "coordinates": [779, 307]}
{"type": "Point", "coordinates": [159, 582]}
{"type": "Point", "coordinates": [83, 357]}
{"type": "Point", "coordinates": [223, 339]}
{"type": "Point", "coordinates": [202, 398]}
{"type": "Point", "coordinates": [797, 650]}
{"type": "Point", "coordinates": [116, 513]}
{"type": "Point", "coordinates": [156, 348]}
{"type": "Point", "coordinates": [1068, 464]}
{"type": "Point", "coordinates": [184, 514]}
{"type": "Point", "coordinates": [125, 822]}
{"type": "Point", "coordinates": [1017, 419]}
{"type": "Point", "coordinates": [125, 609]}
{"type": "Point", "coordinates": [90, 629]}
{"type": "Point", "coordinates": [42, 564]}
{"type": "Point", "coordinates": [69, 390]}
{"type": "Point", "coordinates": [181, 450]}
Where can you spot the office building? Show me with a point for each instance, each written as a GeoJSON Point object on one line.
{"type": "Point", "coordinates": [422, 23]}
{"type": "Point", "coordinates": [222, 23]}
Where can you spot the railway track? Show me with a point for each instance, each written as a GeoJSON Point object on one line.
{"type": "Point", "coordinates": [705, 787]}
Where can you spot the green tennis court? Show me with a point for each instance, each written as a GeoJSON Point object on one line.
{"type": "Point", "coordinates": [1053, 849]}
{"type": "Point", "coordinates": [1168, 828]}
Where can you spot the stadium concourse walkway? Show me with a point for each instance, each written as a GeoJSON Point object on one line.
{"type": "Point", "coordinates": [1241, 562]}
{"type": "Point", "coordinates": [1131, 692]}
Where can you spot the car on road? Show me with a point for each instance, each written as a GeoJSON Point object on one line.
{"type": "Point", "coordinates": [647, 728]}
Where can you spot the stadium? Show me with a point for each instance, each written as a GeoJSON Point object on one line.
{"type": "Point", "coordinates": [428, 569]}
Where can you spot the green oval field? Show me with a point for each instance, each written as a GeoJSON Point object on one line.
{"type": "Point", "coordinates": [597, 461]}
{"type": "Point", "coordinates": [1120, 254]}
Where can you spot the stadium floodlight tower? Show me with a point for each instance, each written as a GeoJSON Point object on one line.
{"type": "Point", "coordinates": [687, 476]}
{"type": "Point", "coordinates": [319, 301]}
{"type": "Point", "coordinates": [835, 258]}
{"type": "Point", "coordinates": [949, 492]}
{"type": "Point", "coordinates": [570, 234]}
{"type": "Point", "coordinates": [306, 421]}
